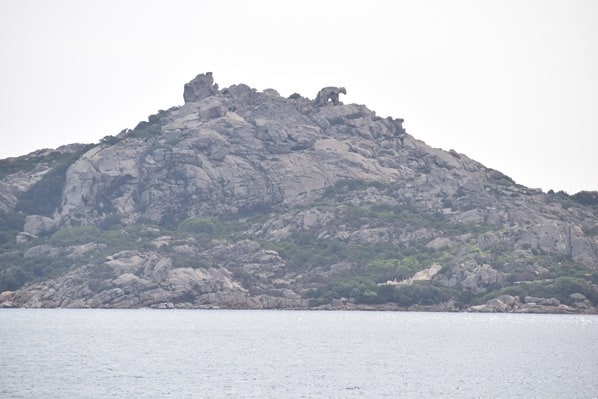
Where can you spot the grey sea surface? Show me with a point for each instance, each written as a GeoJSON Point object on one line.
{"type": "Point", "coordinates": [63, 353]}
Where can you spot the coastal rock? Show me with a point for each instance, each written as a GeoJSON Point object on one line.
{"type": "Point", "coordinates": [6, 299]}
{"type": "Point", "coordinates": [471, 276]}
{"type": "Point", "coordinates": [510, 304]}
{"type": "Point", "coordinates": [243, 198]}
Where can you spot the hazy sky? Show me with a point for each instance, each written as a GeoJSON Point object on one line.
{"type": "Point", "coordinates": [512, 84]}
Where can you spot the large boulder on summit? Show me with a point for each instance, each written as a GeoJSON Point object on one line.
{"type": "Point", "coordinates": [199, 88]}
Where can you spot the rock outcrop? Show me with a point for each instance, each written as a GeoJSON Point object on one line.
{"type": "Point", "coordinates": [131, 278]}
{"type": "Point", "coordinates": [199, 88]}
{"type": "Point", "coordinates": [329, 96]}
{"type": "Point", "coordinates": [511, 304]}
{"type": "Point", "coordinates": [247, 199]}
{"type": "Point", "coordinates": [18, 175]}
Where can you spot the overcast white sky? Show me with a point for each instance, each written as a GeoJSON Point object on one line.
{"type": "Point", "coordinates": [511, 83]}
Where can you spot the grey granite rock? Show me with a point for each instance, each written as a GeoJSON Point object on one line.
{"type": "Point", "coordinates": [199, 88]}
{"type": "Point", "coordinates": [323, 169]}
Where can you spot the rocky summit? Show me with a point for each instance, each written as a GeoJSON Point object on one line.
{"type": "Point", "coordinates": [247, 199]}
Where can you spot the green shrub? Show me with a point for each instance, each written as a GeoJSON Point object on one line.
{"type": "Point", "coordinates": [5, 238]}
{"type": "Point", "coordinates": [414, 294]}
{"type": "Point", "coordinates": [172, 218]}
{"type": "Point", "coordinates": [10, 224]}
{"type": "Point", "coordinates": [109, 140]}
{"type": "Point", "coordinates": [591, 231]}
{"type": "Point", "coordinates": [75, 235]}
{"type": "Point", "coordinates": [146, 129]}
{"type": "Point", "coordinates": [15, 271]}
{"type": "Point", "coordinates": [110, 221]}
{"type": "Point", "coordinates": [13, 278]}
{"type": "Point", "coordinates": [588, 198]}
{"type": "Point", "coordinates": [360, 289]}
{"type": "Point", "coordinates": [198, 225]}
{"type": "Point", "coordinates": [365, 291]}
{"type": "Point", "coordinates": [11, 221]}
{"type": "Point", "coordinates": [389, 269]}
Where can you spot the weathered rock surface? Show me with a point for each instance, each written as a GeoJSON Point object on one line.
{"type": "Point", "coordinates": [285, 172]}
{"type": "Point", "coordinates": [36, 224]}
{"type": "Point", "coordinates": [510, 304]}
{"type": "Point", "coordinates": [472, 276]}
{"type": "Point", "coordinates": [130, 279]}
{"type": "Point", "coordinates": [38, 163]}
{"type": "Point", "coordinates": [199, 88]}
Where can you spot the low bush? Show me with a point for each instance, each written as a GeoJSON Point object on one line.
{"type": "Point", "coordinates": [75, 236]}
{"type": "Point", "coordinates": [198, 225]}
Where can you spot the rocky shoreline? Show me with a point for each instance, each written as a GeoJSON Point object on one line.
{"type": "Point", "coordinates": [502, 304]}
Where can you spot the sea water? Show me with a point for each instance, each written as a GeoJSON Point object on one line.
{"type": "Point", "coordinates": [65, 353]}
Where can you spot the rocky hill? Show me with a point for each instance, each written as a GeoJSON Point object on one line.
{"type": "Point", "coordinates": [246, 199]}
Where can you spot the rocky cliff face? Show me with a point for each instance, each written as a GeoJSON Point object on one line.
{"type": "Point", "coordinates": [235, 149]}
{"type": "Point", "coordinates": [247, 199]}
